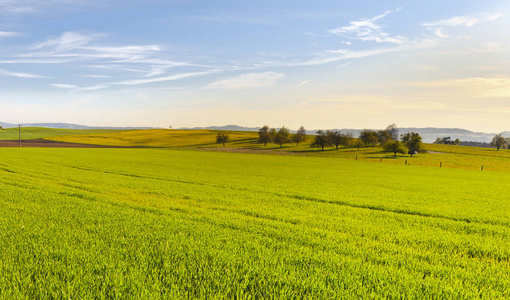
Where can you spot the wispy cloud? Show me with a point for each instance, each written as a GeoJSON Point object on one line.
{"type": "Point", "coordinates": [467, 21]}
{"type": "Point", "coordinates": [20, 75]}
{"type": "Point", "coordinates": [368, 30]}
{"type": "Point", "coordinates": [63, 86]}
{"type": "Point", "coordinates": [248, 80]}
{"type": "Point", "coordinates": [4, 34]}
{"type": "Point", "coordinates": [149, 80]}
{"type": "Point", "coordinates": [304, 82]}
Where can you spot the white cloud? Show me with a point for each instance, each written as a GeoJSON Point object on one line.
{"type": "Point", "coordinates": [8, 34]}
{"type": "Point", "coordinates": [96, 76]}
{"type": "Point", "coordinates": [368, 30]}
{"type": "Point", "coordinates": [467, 21]}
{"type": "Point", "coordinates": [20, 75]}
{"type": "Point", "coordinates": [63, 86]}
{"type": "Point", "coordinates": [249, 80]}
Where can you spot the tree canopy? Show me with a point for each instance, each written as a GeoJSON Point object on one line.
{"type": "Point", "coordinates": [222, 138]}
{"type": "Point", "coordinates": [321, 139]}
{"type": "Point", "coordinates": [499, 141]}
{"type": "Point", "coordinates": [264, 135]}
{"type": "Point", "coordinates": [412, 141]}
{"type": "Point", "coordinates": [395, 147]}
{"type": "Point", "coordinates": [282, 136]}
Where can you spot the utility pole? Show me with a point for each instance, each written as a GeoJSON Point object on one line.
{"type": "Point", "coordinates": [19, 133]}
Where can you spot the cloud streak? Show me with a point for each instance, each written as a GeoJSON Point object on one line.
{"type": "Point", "coordinates": [20, 75]}
{"type": "Point", "coordinates": [466, 21]}
{"type": "Point", "coordinates": [248, 80]}
{"type": "Point", "coordinates": [368, 30]}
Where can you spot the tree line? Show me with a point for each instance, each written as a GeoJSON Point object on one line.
{"type": "Point", "coordinates": [389, 139]}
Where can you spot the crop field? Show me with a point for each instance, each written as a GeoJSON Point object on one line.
{"type": "Point", "coordinates": [159, 223]}
{"type": "Point", "coordinates": [447, 156]}
{"type": "Point", "coordinates": [42, 132]}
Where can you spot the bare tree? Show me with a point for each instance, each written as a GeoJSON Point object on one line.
{"type": "Point", "coordinates": [392, 130]}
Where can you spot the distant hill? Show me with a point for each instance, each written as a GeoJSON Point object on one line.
{"type": "Point", "coordinates": [226, 127]}
{"type": "Point", "coordinates": [429, 134]}
{"type": "Point", "coordinates": [67, 126]}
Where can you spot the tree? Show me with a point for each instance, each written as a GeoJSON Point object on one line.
{"type": "Point", "coordinates": [338, 138]}
{"type": "Point", "coordinates": [392, 131]}
{"type": "Point", "coordinates": [395, 147]}
{"type": "Point", "coordinates": [358, 143]}
{"type": "Point", "coordinates": [272, 133]}
{"type": "Point", "coordinates": [499, 142]}
{"type": "Point", "coordinates": [222, 138]}
{"type": "Point", "coordinates": [446, 141]}
{"type": "Point", "coordinates": [412, 141]}
{"type": "Point", "coordinates": [456, 142]}
{"type": "Point", "coordinates": [384, 137]}
{"type": "Point", "coordinates": [368, 136]}
{"type": "Point", "coordinates": [264, 135]}
{"type": "Point", "coordinates": [299, 136]}
{"type": "Point", "coordinates": [282, 136]}
{"type": "Point", "coordinates": [321, 139]}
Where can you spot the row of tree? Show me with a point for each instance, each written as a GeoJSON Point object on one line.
{"type": "Point", "coordinates": [388, 138]}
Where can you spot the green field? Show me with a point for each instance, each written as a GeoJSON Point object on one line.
{"type": "Point", "coordinates": [43, 132]}
{"type": "Point", "coordinates": [447, 156]}
{"type": "Point", "coordinates": [158, 223]}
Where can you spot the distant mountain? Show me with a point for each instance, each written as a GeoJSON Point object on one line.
{"type": "Point", "coordinates": [67, 126]}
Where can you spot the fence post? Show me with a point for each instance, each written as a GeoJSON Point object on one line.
{"type": "Point", "coordinates": [482, 167]}
{"type": "Point", "coordinates": [441, 164]}
{"type": "Point", "coordinates": [356, 157]}
{"type": "Point", "coordinates": [406, 162]}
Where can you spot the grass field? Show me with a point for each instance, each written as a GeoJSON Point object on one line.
{"type": "Point", "coordinates": [447, 156]}
{"type": "Point", "coordinates": [157, 223]}
{"type": "Point", "coordinates": [43, 132]}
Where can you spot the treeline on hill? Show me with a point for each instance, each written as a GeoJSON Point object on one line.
{"type": "Point", "coordinates": [389, 139]}
{"type": "Point", "coordinates": [498, 142]}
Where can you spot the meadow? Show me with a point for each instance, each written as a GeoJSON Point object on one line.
{"type": "Point", "coordinates": [162, 223]}
{"type": "Point", "coordinates": [446, 156]}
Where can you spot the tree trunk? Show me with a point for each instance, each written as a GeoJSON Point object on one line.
{"type": "Point", "coordinates": [336, 147]}
{"type": "Point", "coordinates": [322, 148]}
{"type": "Point", "coordinates": [223, 144]}
{"type": "Point", "coordinates": [265, 143]}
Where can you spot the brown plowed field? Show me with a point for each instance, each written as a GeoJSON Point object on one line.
{"type": "Point", "coordinates": [50, 144]}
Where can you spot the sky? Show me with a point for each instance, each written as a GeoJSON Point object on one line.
{"type": "Point", "coordinates": [320, 64]}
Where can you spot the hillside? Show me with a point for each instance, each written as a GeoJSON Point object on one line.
{"type": "Point", "coordinates": [42, 132]}
{"type": "Point", "coordinates": [446, 156]}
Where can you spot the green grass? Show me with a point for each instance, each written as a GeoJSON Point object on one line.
{"type": "Point", "coordinates": [447, 156]}
{"type": "Point", "coordinates": [157, 223]}
{"type": "Point", "coordinates": [42, 132]}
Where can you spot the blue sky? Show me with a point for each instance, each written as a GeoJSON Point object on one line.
{"type": "Point", "coordinates": [321, 64]}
